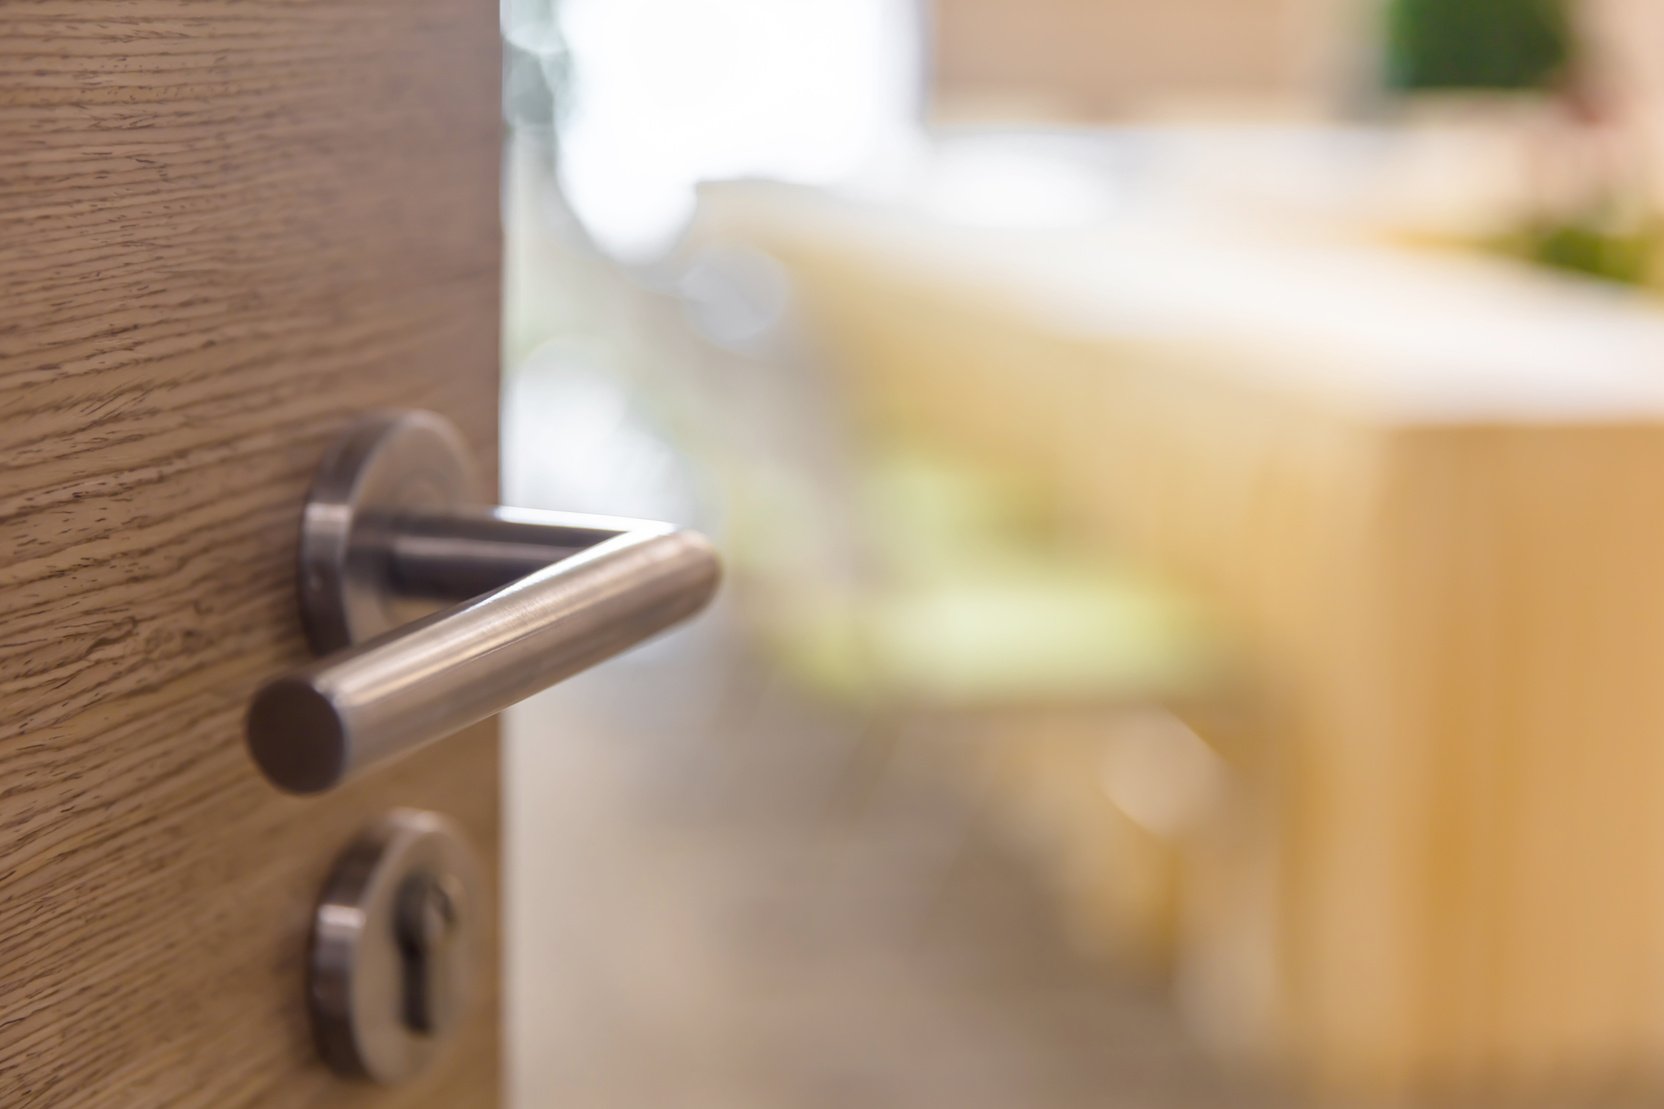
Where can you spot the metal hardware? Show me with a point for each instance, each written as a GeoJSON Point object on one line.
{"type": "Point", "coordinates": [428, 911]}
{"type": "Point", "coordinates": [394, 945]}
{"type": "Point", "coordinates": [390, 534]}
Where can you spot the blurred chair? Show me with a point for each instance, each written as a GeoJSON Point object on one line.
{"type": "Point", "coordinates": [1415, 492]}
{"type": "Point", "coordinates": [906, 583]}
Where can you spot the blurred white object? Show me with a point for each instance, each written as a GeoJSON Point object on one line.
{"type": "Point", "coordinates": [664, 94]}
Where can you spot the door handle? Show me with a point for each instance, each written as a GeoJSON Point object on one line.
{"type": "Point", "coordinates": [390, 533]}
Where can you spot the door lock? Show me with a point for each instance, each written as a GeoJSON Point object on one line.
{"type": "Point", "coordinates": [428, 924]}
{"type": "Point", "coordinates": [394, 948]}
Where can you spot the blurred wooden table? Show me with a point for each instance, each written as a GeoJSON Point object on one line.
{"type": "Point", "coordinates": [1423, 493]}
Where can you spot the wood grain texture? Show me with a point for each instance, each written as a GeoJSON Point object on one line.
{"type": "Point", "coordinates": [228, 229]}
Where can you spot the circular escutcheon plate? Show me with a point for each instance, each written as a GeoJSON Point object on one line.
{"type": "Point", "coordinates": [360, 983]}
{"type": "Point", "coordinates": [391, 464]}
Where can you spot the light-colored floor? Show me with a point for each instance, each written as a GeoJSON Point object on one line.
{"type": "Point", "coordinates": [721, 898]}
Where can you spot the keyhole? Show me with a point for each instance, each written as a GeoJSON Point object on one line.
{"type": "Point", "coordinates": [426, 924]}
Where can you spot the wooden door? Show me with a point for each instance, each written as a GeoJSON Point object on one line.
{"type": "Point", "coordinates": [228, 229]}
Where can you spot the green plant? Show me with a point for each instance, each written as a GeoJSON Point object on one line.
{"type": "Point", "coordinates": [1589, 247]}
{"type": "Point", "coordinates": [1477, 44]}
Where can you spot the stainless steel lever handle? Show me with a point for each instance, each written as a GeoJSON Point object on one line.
{"type": "Point", "coordinates": [389, 534]}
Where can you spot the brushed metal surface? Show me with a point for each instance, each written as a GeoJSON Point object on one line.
{"type": "Point", "coordinates": [535, 598]}
{"type": "Point", "coordinates": [359, 990]}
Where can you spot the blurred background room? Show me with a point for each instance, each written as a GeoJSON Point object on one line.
{"type": "Point", "coordinates": [1191, 477]}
